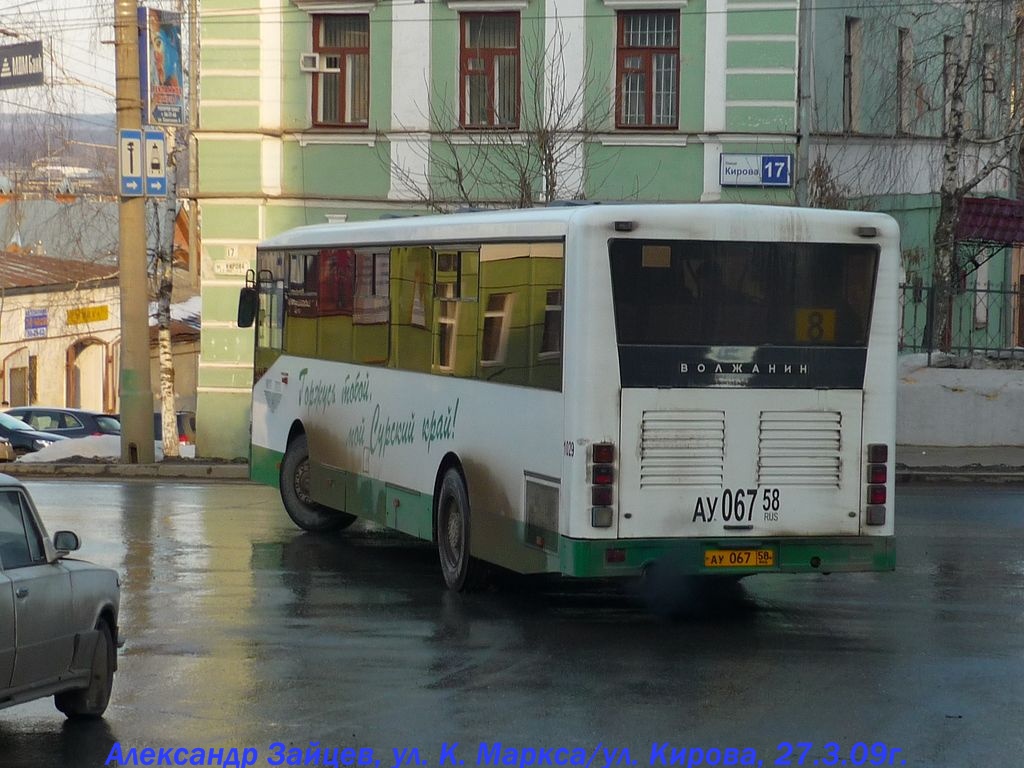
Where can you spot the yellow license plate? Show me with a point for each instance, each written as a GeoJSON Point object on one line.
{"type": "Point", "coordinates": [739, 558]}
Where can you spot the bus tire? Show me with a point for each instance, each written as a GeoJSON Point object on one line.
{"type": "Point", "coordinates": [461, 572]}
{"type": "Point", "coordinates": [294, 483]}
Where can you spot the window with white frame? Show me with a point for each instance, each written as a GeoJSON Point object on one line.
{"type": "Point", "coordinates": [647, 69]}
{"type": "Point", "coordinates": [341, 82]}
{"type": "Point", "coordinates": [489, 70]}
{"type": "Point", "coordinates": [950, 56]}
{"type": "Point", "coordinates": [904, 82]}
{"type": "Point", "coordinates": [851, 74]}
{"type": "Point", "coordinates": [494, 341]}
{"type": "Point", "coordinates": [447, 316]}
{"type": "Point", "coordinates": [989, 90]}
{"type": "Point", "coordinates": [372, 289]}
{"type": "Point", "coordinates": [447, 292]}
{"type": "Point", "coordinates": [551, 341]}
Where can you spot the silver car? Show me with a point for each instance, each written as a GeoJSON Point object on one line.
{"type": "Point", "coordinates": [58, 615]}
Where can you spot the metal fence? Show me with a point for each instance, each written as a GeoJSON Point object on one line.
{"type": "Point", "coordinates": [987, 321]}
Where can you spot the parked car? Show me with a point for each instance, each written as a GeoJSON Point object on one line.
{"type": "Point", "coordinates": [7, 450]}
{"type": "Point", "coordinates": [22, 437]}
{"type": "Point", "coordinates": [186, 427]}
{"type": "Point", "coordinates": [186, 421]}
{"type": "Point", "coordinates": [69, 422]}
{"type": "Point", "coordinates": [58, 616]}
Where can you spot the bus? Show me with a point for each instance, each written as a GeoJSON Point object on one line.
{"type": "Point", "coordinates": [589, 391]}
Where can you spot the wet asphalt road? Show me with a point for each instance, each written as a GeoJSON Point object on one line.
{"type": "Point", "coordinates": [243, 632]}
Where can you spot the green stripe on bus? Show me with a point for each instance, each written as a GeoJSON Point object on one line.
{"type": "Point", "coordinates": [589, 559]}
{"type": "Point", "coordinates": [392, 506]}
{"type": "Point", "coordinates": [265, 466]}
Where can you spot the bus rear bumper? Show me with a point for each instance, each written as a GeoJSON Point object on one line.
{"type": "Point", "coordinates": [630, 557]}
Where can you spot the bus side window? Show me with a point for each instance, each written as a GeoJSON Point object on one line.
{"type": "Point", "coordinates": [411, 278]}
{"type": "Point", "coordinates": [455, 310]}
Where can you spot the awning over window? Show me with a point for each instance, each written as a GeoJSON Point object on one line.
{"type": "Point", "coordinates": [991, 220]}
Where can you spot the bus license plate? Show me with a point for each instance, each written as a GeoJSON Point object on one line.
{"type": "Point", "coordinates": [739, 558]}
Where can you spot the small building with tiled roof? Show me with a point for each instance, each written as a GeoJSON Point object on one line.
{"type": "Point", "coordinates": [60, 332]}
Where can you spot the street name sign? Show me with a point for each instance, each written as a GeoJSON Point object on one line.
{"type": "Point", "coordinates": [750, 170]}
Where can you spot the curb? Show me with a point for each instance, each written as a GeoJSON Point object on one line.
{"type": "Point", "coordinates": [240, 472]}
{"type": "Point", "coordinates": [181, 471]}
{"type": "Point", "coordinates": [961, 475]}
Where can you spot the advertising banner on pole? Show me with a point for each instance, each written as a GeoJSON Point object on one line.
{"type": "Point", "coordinates": [160, 67]}
{"type": "Point", "coordinates": [21, 65]}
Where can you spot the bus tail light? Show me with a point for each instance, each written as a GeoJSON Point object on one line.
{"type": "Point", "coordinates": [877, 477]}
{"type": "Point", "coordinates": [602, 484]}
{"type": "Point", "coordinates": [615, 555]}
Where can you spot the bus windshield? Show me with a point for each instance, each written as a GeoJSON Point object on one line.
{"type": "Point", "coordinates": [715, 293]}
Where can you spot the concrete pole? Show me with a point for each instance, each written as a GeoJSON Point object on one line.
{"type": "Point", "coordinates": [136, 390]}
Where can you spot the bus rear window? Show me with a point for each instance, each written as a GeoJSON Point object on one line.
{"type": "Point", "coordinates": [704, 293]}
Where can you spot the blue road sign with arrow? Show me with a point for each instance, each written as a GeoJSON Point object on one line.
{"type": "Point", "coordinates": [155, 166]}
{"type": "Point", "coordinates": [130, 161]}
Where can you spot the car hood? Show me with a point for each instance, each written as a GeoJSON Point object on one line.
{"type": "Point", "coordinates": [76, 564]}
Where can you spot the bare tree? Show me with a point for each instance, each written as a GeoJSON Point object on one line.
{"type": "Point", "coordinates": [948, 119]}
{"type": "Point", "coordinates": [540, 161]}
{"type": "Point", "coordinates": [1005, 145]}
{"type": "Point", "coordinates": [162, 273]}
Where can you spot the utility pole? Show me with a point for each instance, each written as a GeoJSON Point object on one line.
{"type": "Point", "coordinates": [136, 389]}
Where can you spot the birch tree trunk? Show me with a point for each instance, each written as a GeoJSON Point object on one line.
{"type": "Point", "coordinates": [951, 191]}
{"type": "Point", "coordinates": [165, 287]}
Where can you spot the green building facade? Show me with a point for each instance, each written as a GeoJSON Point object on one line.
{"type": "Point", "coordinates": [346, 110]}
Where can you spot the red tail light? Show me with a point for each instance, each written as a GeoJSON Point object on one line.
{"type": "Point", "coordinates": [615, 555]}
{"type": "Point", "coordinates": [876, 477]}
{"type": "Point", "coordinates": [602, 484]}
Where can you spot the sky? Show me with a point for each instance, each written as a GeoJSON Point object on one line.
{"type": "Point", "coordinates": [79, 66]}
{"type": "Point", "coordinates": [78, 39]}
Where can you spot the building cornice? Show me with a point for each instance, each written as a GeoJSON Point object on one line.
{"type": "Point", "coordinates": [336, 6]}
{"type": "Point", "coordinates": [644, 5]}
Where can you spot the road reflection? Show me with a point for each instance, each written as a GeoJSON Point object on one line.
{"type": "Point", "coordinates": [243, 631]}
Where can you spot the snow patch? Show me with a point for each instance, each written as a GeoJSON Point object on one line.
{"type": "Point", "coordinates": [94, 447]}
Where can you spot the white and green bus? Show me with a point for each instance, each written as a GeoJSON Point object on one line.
{"type": "Point", "coordinates": [587, 390]}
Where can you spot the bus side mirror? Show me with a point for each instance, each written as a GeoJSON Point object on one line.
{"type": "Point", "coordinates": [248, 302]}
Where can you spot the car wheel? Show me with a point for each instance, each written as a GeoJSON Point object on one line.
{"type": "Point", "coordinates": [295, 493]}
{"type": "Point", "coordinates": [462, 573]}
{"type": "Point", "coordinates": [92, 701]}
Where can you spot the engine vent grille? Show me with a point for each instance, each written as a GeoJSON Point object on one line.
{"type": "Point", "coordinates": [682, 448]}
{"type": "Point", "coordinates": [799, 448]}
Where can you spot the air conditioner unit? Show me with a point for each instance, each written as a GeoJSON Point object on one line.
{"type": "Point", "coordinates": [317, 62]}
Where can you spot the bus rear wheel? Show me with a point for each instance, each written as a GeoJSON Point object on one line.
{"type": "Point", "coordinates": [462, 573]}
{"type": "Point", "coordinates": [295, 493]}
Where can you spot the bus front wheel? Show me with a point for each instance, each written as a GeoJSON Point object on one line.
{"type": "Point", "coordinates": [295, 493]}
{"type": "Point", "coordinates": [461, 572]}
